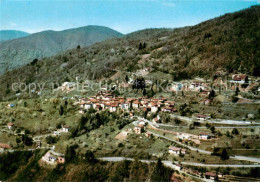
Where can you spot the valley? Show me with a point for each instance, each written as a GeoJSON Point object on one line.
{"type": "Point", "coordinates": [157, 104]}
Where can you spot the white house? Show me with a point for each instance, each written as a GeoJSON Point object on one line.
{"type": "Point", "coordinates": [88, 106]}
{"type": "Point", "coordinates": [177, 167]}
{"type": "Point", "coordinates": [239, 78]}
{"type": "Point", "coordinates": [204, 136]}
{"type": "Point", "coordinates": [184, 136]}
{"type": "Point", "coordinates": [154, 108]}
{"type": "Point", "coordinates": [52, 159]}
{"type": "Point", "coordinates": [136, 104]}
{"type": "Point", "coordinates": [125, 106]}
{"type": "Point", "coordinates": [81, 111]}
{"type": "Point", "coordinates": [65, 128]}
{"type": "Point", "coordinates": [138, 129]}
{"type": "Point", "coordinates": [202, 117]}
{"type": "Point", "coordinates": [176, 151]}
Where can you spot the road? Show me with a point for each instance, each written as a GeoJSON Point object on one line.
{"type": "Point", "coordinates": [184, 145]}
{"type": "Point", "coordinates": [237, 157]}
{"type": "Point", "coordinates": [221, 165]}
{"type": "Point", "coordinates": [204, 127]}
{"type": "Point", "coordinates": [166, 163]}
{"type": "Point", "coordinates": [170, 164]}
{"type": "Point", "coordinates": [215, 121]}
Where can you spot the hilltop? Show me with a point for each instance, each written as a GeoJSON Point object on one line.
{"type": "Point", "coordinates": [18, 52]}
{"type": "Point", "coordinates": [229, 43]}
{"type": "Point", "coordinates": [12, 34]}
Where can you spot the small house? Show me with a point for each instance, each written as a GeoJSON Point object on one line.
{"type": "Point", "coordinates": [5, 146]}
{"type": "Point", "coordinates": [210, 175]}
{"type": "Point", "coordinates": [239, 78]}
{"type": "Point", "coordinates": [157, 119]}
{"type": "Point", "coordinates": [136, 104]}
{"type": "Point", "coordinates": [176, 151]}
{"type": "Point", "coordinates": [154, 108]}
{"type": "Point", "coordinates": [178, 167]}
{"type": "Point", "coordinates": [65, 128]}
{"type": "Point", "coordinates": [204, 136]}
{"type": "Point", "coordinates": [168, 109]}
{"type": "Point", "coordinates": [148, 134]}
{"type": "Point", "coordinates": [10, 126]}
{"type": "Point", "coordinates": [138, 129]}
{"type": "Point", "coordinates": [52, 158]}
{"type": "Point", "coordinates": [61, 160]}
{"type": "Point", "coordinates": [202, 117]}
{"type": "Point", "coordinates": [11, 105]}
{"type": "Point", "coordinates": [125, 105]}
{"type": "Point", "coordinates": [205, 102]}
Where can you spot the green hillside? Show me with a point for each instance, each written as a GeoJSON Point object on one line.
{"type": "Point", "coordinates": [18, 52]}
{"type": "Point", "coordinates": [230, 43]}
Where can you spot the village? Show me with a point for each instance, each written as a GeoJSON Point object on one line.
{"type": "Point", "coordinates": [181, 132]}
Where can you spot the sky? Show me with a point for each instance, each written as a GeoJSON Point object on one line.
{"type": "Point", "coordinates": [124, 16]}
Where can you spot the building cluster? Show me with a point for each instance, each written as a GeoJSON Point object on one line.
{"type": "Point", "coordinates": [103, 101]}
{"type": "Point", "coordinates": [53, 158]}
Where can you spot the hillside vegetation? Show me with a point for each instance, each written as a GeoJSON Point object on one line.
{"type": "Point", "coordinates": [21, 51]}
{"type": "Point", "coordinates": [230, 43]}
{"type": "Point", "coordinates": [79, 168]}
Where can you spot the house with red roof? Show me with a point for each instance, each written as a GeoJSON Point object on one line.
{"type": "Point", "coordinates": [138, 129]}
{"type": "Point", "coordinates": [210, 175]}
{"type": "Point", "coordinates": [239, 78]}
{"type": "Point", "coordinates": [10, 126]}
{"type": "Point", "coordinates": [168, 109]}
{"type": "Point", "coordinates": [205, 136]}
{"type": "Point", "coordinates": [136, 104]}
{"type": "Point", "coordinates": [176, 151]}
{"type": "Point", "coordinates": [5, 146]}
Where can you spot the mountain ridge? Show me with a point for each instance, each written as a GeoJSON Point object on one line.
{"type": "Point", "coordinates": [17, 52]}
{"type": "Point", "coordinates": [6, 35]}
{"type": "Point", "coordinates": [229, 43]}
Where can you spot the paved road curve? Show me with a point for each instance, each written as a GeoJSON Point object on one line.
{"type": "Point", "coordinates": [251, 159]}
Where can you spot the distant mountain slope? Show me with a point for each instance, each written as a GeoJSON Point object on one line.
{"type": "Point", "coordinates": [230, 43]}
{"type": "Point", "coordinates": [11, 34]}
{"type": "Point", "coordinates": [21, 51]}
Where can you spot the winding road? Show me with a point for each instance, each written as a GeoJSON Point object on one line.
{"type": "Point", "coordinates": [174, 166]}
{"type": "Point", "coordinates": [237, 157]}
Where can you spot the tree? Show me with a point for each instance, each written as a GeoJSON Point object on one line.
{"type": "Point", "coordinates": [139, 83]}
{"type": "Point", "coordinates": [224, 155]}
{"type": "Point", "coordinates": [140, 47]}
{"type": "Point", "coordinates": [160, 173]}
{"type": "Point", "coordinates": [70, 153]}
{"type": "Point", "coordinates": [18, 140]}
{"type": "Point", "coordinates": [126, 78]}
{"type": "Point", "coordinates": [61, 111]}
{"type": "Point", "coordinates": [235, 131]}
{"type": "Point", "coordinates": [25, 104]}
{"type": "Point", "coordinates": [83, 120]}
{"type": "Point", "coordinates": [144, 92]}
{"type": "Point", "coordinates": [27, 140]}
{"type": "Point", "coordinates": [51, 140]}
{"type": "Point", "coordinates": [212, 129]}
{"type": "Point", "coordinates": [212, 94]}
{"type": "Point", "coordinates": [90, 157]}
{"type": "Point", "coordinates": [237, 91]}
